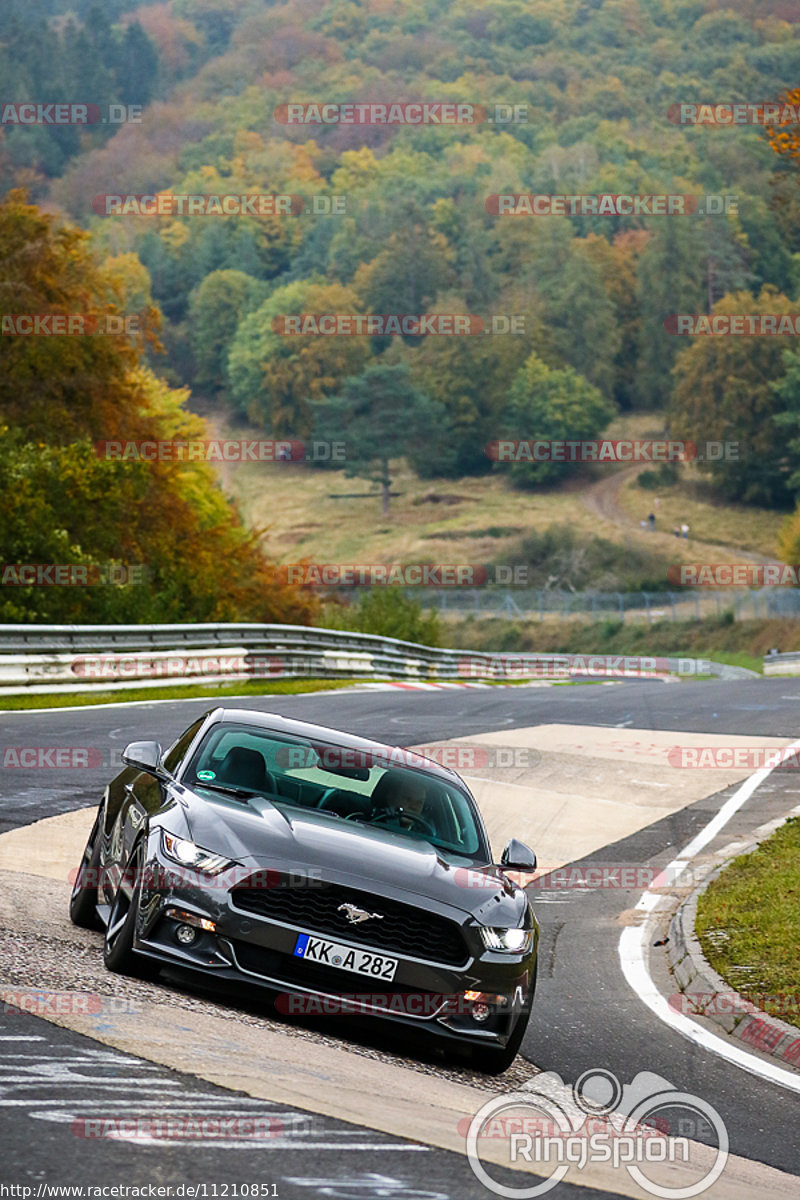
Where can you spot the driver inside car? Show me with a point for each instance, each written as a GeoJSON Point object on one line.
{"type": "Point", "coordinates": [401, 799]}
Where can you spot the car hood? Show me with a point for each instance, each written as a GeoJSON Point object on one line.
{"type": "Point", "coordinates": [258, 834]}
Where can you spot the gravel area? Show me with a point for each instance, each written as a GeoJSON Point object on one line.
{"type": "Point", "coordinates": [40, 948]}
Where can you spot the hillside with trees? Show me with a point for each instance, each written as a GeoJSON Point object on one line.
{"type": "Point", "coordinates": [398, 218]}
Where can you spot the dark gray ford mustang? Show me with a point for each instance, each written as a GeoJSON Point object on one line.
{"type": "Point", "coordinates": [343, 875]}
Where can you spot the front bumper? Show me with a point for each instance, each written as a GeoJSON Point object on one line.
{"type": "Point", "coordinates": [243, 947]}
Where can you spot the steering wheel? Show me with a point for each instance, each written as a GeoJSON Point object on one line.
{"type": "Point", "coordinates": [401, 814]}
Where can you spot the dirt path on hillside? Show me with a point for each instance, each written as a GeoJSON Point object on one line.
{"type": "Point", "coordinates": [603, 499]}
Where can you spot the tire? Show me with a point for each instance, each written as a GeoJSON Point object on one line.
{"type": "Point", "coordinates": [493, 1060]}
{"type": "Point", "coordinates": [83, 901]}
{"type": "Point", "coordinates": [118, 952]}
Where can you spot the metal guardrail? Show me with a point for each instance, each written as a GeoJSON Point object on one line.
{"type": "Point", "coordinates": [782, 664]}
{"type": "Point", "coordinates": [53, 658]}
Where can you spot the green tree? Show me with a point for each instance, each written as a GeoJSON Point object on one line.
{"type": "Point", "coordinates": [274, 376]}
{"type": "Point", "coordinates": [470, 376]}
{"type": "Point", "coordinates": [552, 404]}
{"type": "Point", "coordinates": [409, 271]}
{"type": "Point", "coordinates": [787, 391]}
{"type": "Point", "coordinates": [382, 417]}
{"type": "Point", "coordinates": [670, 279]}
{"type": "Point", "coordinates": [216, 307]}
{"type": "Point", "coordinates": [727, 390]}
{"type": "Point", "coordinates": [387, 612]}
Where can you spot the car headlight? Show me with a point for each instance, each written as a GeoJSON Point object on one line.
{"type": "Point", "coordinates": [182, 851]}
{"type": "Point", "coordinates": [510, 941]}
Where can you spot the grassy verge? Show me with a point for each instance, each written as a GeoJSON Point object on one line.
{"type": "Point", "coordinates": [740, 643]}
{"type": "Point", "coordinates": [710, 520]}
{"type": "Point", "coordinates": [265, 687]}
{"type": "Point", "coordinates": [747, 922]}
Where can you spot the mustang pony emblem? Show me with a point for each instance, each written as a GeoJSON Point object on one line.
{"type": "Point", "coordinates": [356, 915]}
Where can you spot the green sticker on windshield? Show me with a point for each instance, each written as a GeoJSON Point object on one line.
{"type": "Point", "coordinates": [206, 775]}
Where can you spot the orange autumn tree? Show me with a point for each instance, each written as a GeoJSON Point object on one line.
{"type": "Point", "coordinates": [784, 134]}
{"type": "Point", "coordinates": [784, 138]}
{"type": "Point", "coordinates": [62, 501]}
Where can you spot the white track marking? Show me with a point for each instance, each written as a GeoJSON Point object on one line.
{"type": "Point", "coordinates": [634, 941]}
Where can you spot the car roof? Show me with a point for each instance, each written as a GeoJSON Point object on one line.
{"type": "Point", "coordinates": [324, 733]}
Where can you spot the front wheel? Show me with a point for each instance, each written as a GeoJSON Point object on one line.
{"type": "Point", "coordinates": [493, 1060]}
{"type": "Point", "coordinates": [83, 901]}
{"type": "Point", "coordinates": [118, 952]}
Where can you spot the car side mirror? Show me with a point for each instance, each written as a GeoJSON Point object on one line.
{"type": "Point", "coordinates": [145, 756]}
{"type": "Point", "coordinates": [518, 857]}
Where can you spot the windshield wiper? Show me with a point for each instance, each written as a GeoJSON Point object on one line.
{"type": "Point", "coordinates": [228, 789]}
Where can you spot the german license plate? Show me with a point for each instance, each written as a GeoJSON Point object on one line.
{"type": "Point", "coordinates": [345, 958]}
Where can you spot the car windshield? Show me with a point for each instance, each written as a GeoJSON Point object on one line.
{"type": "Point", "coordinates": [366, 787]}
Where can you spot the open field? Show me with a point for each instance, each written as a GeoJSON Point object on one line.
{"type": "Point", "coordinates": [746, 528]}
{"type": "Point", "coordinates": [326, 517]}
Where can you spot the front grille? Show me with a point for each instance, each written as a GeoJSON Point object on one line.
{"type": "Point", "coordinates": [404, 929]}
{"type": "Point", "coordinates": [315, 976]}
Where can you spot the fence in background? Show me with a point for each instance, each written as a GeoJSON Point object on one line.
{"type": "Point", "coordinates": [611, 606]}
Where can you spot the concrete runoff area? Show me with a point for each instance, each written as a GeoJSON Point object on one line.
{"type": "Point", "coordinates": [585, 787]}
{"type": "Point", "coordinates": [552, 803]}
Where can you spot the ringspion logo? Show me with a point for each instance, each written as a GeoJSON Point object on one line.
{"type": "Point", "coordinates": [640, 1126]}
